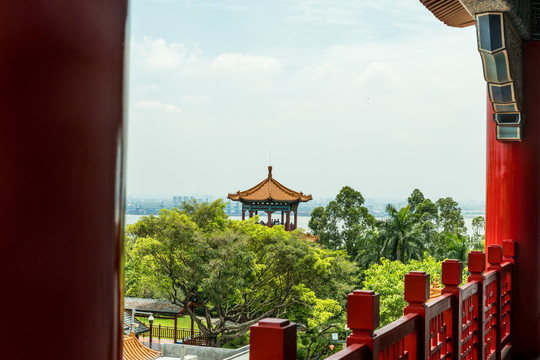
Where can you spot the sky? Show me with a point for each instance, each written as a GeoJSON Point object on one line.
{"type": "Point", "coordinates": [374, 94]}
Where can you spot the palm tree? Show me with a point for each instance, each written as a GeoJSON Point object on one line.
{"type": "Point", "coordinates": [401, 235]}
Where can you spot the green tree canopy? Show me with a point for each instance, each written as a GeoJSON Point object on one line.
{"type": "Point", "coordinates": [401, 235]}
{"type": "Point", "coordinates": [450, 218]}
{"type": "Point", "coordinates": [343, 221]}
{"type": "Point", "coordinates": [238, 271]}
{"type": "Point", "coordinates": [416, 198]}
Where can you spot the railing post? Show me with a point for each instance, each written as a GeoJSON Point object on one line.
{"type": "Point", "coordinates": [495, 255]}
{"type": "Point", "coordinates": [508, 250]}
{"type": "Point", "coordinates": [362, 317]}
{"type": "Point", "coordinates": [150, 341]}
{"type": "Point", "coordinates": [175, 328]}
{"type": "Point", "coordinates": [477, 264]}
{"type": "Point", "coordinates": [452, 273]}
{"type": "Point", "coordinates": [273, 339]}
{"type": "Point", "coordinates": [416, 294]}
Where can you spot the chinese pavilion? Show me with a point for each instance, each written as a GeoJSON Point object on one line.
{"type": "Point", "coordinates": [270, 196]}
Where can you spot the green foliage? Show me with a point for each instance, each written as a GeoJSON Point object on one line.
{"type": "Point", "coordinates": [415, 199]}
{"type": "Point", "coordinates": [208, 217]}
{"type": "Point", "coordinates": [450, 219]}
{"type": "Point", "coordinates": [401, 235]}
{"type": "Point", "coordinates": [478, 237]}
{"type": "Point", "coordinates": [342, 222]}
{"type": "Point", "coordinates": [388, 280]}
{"type": "Point", "coordinates": [238, 271]}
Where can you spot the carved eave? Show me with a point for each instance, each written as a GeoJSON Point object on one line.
{"type": "Point", "coordinates": [450, 12]}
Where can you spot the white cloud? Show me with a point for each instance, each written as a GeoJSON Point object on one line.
{"type": "Point", "coordinates": [157, 54]}
{"type": "Point", "coordinates": [157, 105]}
{"type": "Point", "coordinates": [149, 88]}
{"type": "Point", "coordinates": [246, 63]}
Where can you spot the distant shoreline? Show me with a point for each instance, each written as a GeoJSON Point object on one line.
{"type": "Point", "coordinates": [303, 220]}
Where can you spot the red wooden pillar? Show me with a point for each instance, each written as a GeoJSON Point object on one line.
{"type": "Point", "coordinates": [452, 273]}
{"type": "Point", "coordinates": [295, 219]}
{"type": "Point", "coordinates": [508, 250]}
{"type": "Point", "coordinates": [362, 317]}
{"type": "Point", "coordinates": [269, 218]}
{"type": "Point", "coordinates": [61, 176]}
{"type": "Point", "coordinates": [273, 339]}
{"type": "Point", "coordinates": [288, 224]}
{"type": "Point", "coordinates": [250, 214]}
{"type": "Point", "coordinates": [476, 266]}
{"type": "Point", "coordinates": [282, 216]}
{"type": "Point", "coordinates": [495, 255]}
{"type": "Point", "coordinates": [243, 215]}
{"type": "Point", "coordinates": [416, 295]}
{"type": "Point", "coordinates": [513, 206]}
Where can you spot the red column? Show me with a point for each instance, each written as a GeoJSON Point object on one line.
{"type": "Point", "coordinates": [362, 316]}
{"type": "Point", "coordinates": [513, 207]}
{"type": "Point", "coordinates": [295, 219]}
{"type": "Point", "coordinates": [416, 295]}
{"type": "Point", "coordinates": [243, 215]}
{"type": "Point", "coordinates": [273, 339]}
{"type": "Point", "coordinates": [282, 216]}
{"type": "Point", "coordinates": [61, 176]}
{"type": "Point", "coordinates": [288, 226]}
{"type": "Point", "coordinates": [250, 214]}
{"type": "Point", "coordinates": [269, 219]}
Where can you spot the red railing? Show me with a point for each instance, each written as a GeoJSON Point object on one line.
{"type": "Point", "coordinates": [471, 321]}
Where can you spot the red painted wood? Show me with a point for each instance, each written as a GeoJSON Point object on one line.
{"type": "Point", "coordinates": [273, 339]}
{"type": "Point", "coordinates": [61, 188]}
{"type": "Point", "coordinates": [353, 352]}
{"type": "Point", "coordinates": [513, 206]}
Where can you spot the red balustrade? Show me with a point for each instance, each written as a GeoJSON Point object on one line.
{"type": "Point", "coordinates": [467, 322]}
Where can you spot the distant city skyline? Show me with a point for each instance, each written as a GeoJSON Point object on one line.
{"type": "Point", "coordinates": [374, 94]}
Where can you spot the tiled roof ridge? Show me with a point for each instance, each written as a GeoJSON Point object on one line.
{"type": "Point", "coordinates": [134, 350]}
{"type": "Point", "coordinates": [270, 181]}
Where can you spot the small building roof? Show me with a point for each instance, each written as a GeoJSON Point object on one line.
{"type": "Point", "coordinates": [151, 305]}
{"type": "Point", "coordinates": [270, 190]}
{"type": "Point", "coordinates": [138, 327]}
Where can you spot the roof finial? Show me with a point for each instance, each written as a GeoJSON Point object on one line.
{"type": "Point", "coordinates": [270, 171]}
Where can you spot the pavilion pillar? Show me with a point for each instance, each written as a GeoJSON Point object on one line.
{"type": "Point", "coordinates": [61, 140]}
{"type": "Point", "coordinates": [288, 226]}
{"type": "Point", "coordinates": [250, 214]}
{"type": "Point", "coordinates": [282, 216]}
{"type": "Point", "coordinates": [295, 219]}
{"type": "Point", "coordinates": [243, 214]}
{"type": "Point", "coordinates": [269, 218]}
{"type": "Point", "coordinates": [513, 207]}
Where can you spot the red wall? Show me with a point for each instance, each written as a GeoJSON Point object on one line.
{"type": "Point", "coordinates": [61, 138]}
{"type": "Point", "coordinates": [513, 206]}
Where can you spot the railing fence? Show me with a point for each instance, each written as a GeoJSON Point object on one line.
{"type": "Point", "coordinates": [467, 322]}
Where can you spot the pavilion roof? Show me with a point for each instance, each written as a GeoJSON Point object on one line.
{"type": "Point", "coordinates": [270, 190]}
{"type": "Point", "coordinates": [134, 350]}
{"type": "Point", "coordinates": [450, 12]}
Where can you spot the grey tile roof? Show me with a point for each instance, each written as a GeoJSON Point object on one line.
{"type": "Point", "coordinates": [138, 326]}
{"type": "Point", "coordinates": [151, 305]}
